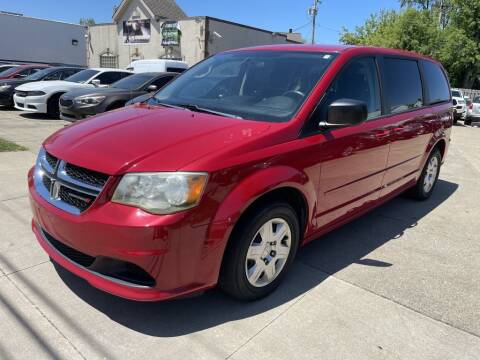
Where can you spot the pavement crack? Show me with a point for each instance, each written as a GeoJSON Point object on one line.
{"type": "Point", "coordinates": [42, 314]}
{"type": "Point", "coordinates": [267, 325]}
{"type": "Point", "coordinates": [14, 198]}
{"type": "Point", "coordinates": [392, 301]}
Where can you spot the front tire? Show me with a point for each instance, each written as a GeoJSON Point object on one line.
{"type": "Point", "coordinates": [429, 177]}
{"type": "Point", "coordinates": [53, 107]}
{"type": "Point", "coordinates": [260, 252]}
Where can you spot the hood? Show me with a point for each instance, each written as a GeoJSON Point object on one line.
{"type": "Point", "coordinates": [13, 82]}
{"type": "Point", "coordinates": [98, 91]}
{"type": "Point", "coordinates": [48, 86]}
{"type": "Point", "coordinates": [143, 138]}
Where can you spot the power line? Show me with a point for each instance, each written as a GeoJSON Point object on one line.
{"type": "Point", "coordinates": [303, 26]}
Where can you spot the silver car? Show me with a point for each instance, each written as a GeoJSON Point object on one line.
{"type": "Point", "coordinates": [473, 111]}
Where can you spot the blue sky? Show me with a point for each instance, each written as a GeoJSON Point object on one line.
{"type": "Point", "coordinates": [275, 15]}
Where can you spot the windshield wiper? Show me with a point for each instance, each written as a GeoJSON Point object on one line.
{"type": "Point", "coordinates": [197, 108]}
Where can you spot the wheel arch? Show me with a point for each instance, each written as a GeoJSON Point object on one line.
{"type": "Point", "coordinates": [280, 183]}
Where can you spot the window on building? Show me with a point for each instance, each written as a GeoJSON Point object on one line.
{"type": "Point", "coordinates": [436, 83]}
{"type": "Point", "coordinates": [108, 60]}
{"type": "Point", "coordinates": [403, 86]}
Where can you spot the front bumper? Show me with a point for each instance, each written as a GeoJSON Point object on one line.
{"type": "Point", "coordinates": [78, 112]}
{"type": "Point", "coordinates": [37, 104]}
{"type": "Point", "coordinates": [6, 98]}
{"type": "Point", "coordinates": [171, 249]}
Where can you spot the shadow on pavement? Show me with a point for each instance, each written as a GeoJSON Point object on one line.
{"type": "Point", "coordinates": [315, 262]}
{"type": "Point", "coordinates": [37, 116]}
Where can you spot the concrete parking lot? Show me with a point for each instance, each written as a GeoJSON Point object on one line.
{"type": "Point", "coordinates": [401, 282]}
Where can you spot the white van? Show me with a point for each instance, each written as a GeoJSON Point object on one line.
{"type": "Point", "coordinates": [157, 65]}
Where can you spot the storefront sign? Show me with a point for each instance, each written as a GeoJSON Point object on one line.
{"type": "Point", "coordinates": [171, 34]}
{"type": "Point", "coordinates": [136, 31]}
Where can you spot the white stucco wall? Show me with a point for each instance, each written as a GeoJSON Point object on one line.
{"type": "Point", "coordinates": [27, 39]}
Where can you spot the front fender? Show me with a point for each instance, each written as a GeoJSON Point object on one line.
{"type": "Point", "coordinates": [247, 192]}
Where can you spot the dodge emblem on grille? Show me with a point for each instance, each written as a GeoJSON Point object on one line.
{"type": "Point", "coordinates": [55, 189]}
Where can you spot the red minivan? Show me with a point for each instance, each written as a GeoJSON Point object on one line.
{"type": "Point", "coordinates": [225, 172]}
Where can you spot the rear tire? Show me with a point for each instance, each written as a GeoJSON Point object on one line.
{"type": "Point", "coordinates": [467, 121]}
{"type": "Point", "coordinates": [53, 108]}
{"type": "Point", "coordinates": [428, 178]}
{"type": "Point", "coordinates": [260, 252]}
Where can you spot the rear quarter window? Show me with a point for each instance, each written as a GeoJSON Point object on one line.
{"type": "Point", "coordinates": [402, 84]}
{"type": "Point", "coordinates": [436, 83]}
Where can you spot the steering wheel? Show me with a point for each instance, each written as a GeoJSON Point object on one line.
{"type": "Point", "coordinates": [294, 92]}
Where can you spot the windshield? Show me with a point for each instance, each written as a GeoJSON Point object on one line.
{"type": "Point", "coordinates": [39, 74]}
{"type": "Point", "coordinates": [456, 93]}
{"type": "Point", "coordinates": [82, 76]}
{"type": "Point", "coordinates": [133, 82]}
{"type": "Point", "coordinates": [257, 85]}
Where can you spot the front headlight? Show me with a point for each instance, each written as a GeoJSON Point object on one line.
{"type": "Point", "coordinates": [5, 87]}
{"type": "Point", "coordinates": [161, 193]}
{"type": "Point", "coordinates": [89, 100]}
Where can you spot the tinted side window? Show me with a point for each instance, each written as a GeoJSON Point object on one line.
{"type": "Point", "coordinates": [159, 83]}
{"type": "Point", "coordinates": [108, 78]}
{"type": "Point", "coordinates": [436, 83]}
{"type": "Point", "coordinates": [358, 81]}
{"type": "Point", "coordinates": [69, 72]}
{"type": "Point", "coordinates": [403, 86]}
{"type": "Point", "coordinates": [55, 76]}
{"type": "Point", "coordinates": [175, 69]}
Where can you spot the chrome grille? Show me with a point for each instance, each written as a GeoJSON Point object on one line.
{"type": "Point", "coordinates": [66, 186]}
{"type": "Point", "coordinates": [90, 177]}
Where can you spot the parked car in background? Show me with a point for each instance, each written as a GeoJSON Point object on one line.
{"type": "Point", "coordinates": [241, 160]}
{"type": "Point", "coordinates": [43, 97]}
{"type": "Point", "coordinates": [460, 106]}
{"type": "Point", "coordinates": [139, 99]}
{"type": "Point", "coordinates": [79, 104]}
{"type": "Point", "coordinates": [5, 67]}
{"type": "Point", "coordinates": [21, 71]}
{"type": "Point", "coordinates": [473, 111]}
{"type": "Point", "coordinates": [7, 87]}
{"type": "Point", "coordinates": [158, 65]}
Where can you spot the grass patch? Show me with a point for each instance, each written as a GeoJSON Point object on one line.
{"type": "Point", "coordinates": [6, 145]}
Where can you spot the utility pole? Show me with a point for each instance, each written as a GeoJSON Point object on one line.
{"type": "Point", "coordinates": [313, 13]}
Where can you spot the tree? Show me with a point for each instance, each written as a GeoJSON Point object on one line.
{"type": "Point", "coordinates": [87, 21]}
{"type": "Point", "coordinates": [456, 42]}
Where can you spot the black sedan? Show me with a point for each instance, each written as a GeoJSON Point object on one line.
{"type": "Point", "coordinates": [79, 104]}
{"type": "Point", "coordinates": [7, 87]}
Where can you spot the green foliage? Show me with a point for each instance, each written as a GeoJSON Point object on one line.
{"type": "Point", "coordinates": [87, 21]}
{"type": "Point", "coordinates": [420, 28]}
{"type": "Point", "coordinates": [6, 145]}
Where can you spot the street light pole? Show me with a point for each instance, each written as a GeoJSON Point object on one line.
{"type": "Point", "coordinates": [313, 12]}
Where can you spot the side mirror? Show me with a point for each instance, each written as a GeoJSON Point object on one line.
{"type": "Point", "coordinates": [96, 82]}
{"type": "Point", "coordinates": [345, 112]}
{"type": "Point", "coordinates": [152, 88]}
{"type": "Point", "coordinates": [20, 76]}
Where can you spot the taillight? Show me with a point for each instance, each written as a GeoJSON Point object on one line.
{"type": "Point", "coordinates": [470, 107]}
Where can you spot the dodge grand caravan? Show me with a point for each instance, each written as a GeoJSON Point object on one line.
{"type": "Point", "coordinates": [225, 172]}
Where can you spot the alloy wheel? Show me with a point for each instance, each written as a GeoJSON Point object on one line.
{"type": "Point", "coordinates": [268, 252]}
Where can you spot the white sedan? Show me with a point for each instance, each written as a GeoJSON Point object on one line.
{"type": "Point", "coordinates": [43, 97]}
